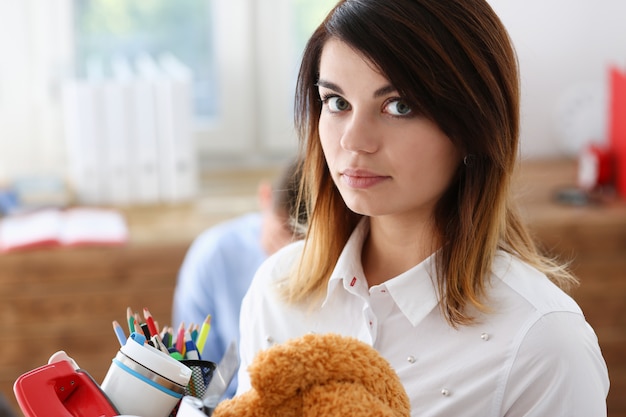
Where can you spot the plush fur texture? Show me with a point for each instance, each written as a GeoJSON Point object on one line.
{"type": "Point", "coordinates": [320, 375]}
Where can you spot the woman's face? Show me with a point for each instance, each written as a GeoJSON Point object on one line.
{"type": "Point", "coordinates": [385, 158]}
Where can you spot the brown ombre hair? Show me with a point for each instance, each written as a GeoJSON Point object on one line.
{"type": "Point", "coordinates": [454, 62]}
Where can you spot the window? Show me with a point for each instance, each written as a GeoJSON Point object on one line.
{"type": "Point", "coordinates": [244, 56]}
{"type": "Point", "coordinates": [109, 29]}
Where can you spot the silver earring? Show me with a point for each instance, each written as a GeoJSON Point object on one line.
{"type": "Point", "coordinates": [468, 160]}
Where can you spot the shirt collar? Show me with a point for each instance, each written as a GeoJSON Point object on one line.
{"type": "Point", "coordinates": [413, 291]}
{"type": "Point", "coordinates": [348, 270]}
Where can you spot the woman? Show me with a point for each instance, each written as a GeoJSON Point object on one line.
{"type": "Point", "coordinates": [408, 112]}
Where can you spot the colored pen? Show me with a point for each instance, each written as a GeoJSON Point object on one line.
{"type": "Point", "coordinates": [191, 351]}
{"type": "Point", "coordinates": [138, 337]}
{"type": "Point", "coordinates": [119, 332]}
{"type": "Point", "coordinates": [150, 321]}
{"type": "Point", "coordinates": [156, 340]}
{"type": "Point", "coordinates": [146, 330]}
{"type": "Point", "coordinates": [204, 333]}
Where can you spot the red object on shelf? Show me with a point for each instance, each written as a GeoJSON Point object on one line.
{"type": "Point", "coordinates": [595, 167]}
{"type": "Point", "coordinates": [617, 126]}
{"type": "Point", "coordinates": [57, 389]}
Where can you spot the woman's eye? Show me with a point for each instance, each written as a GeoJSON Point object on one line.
{"type": "Point", "coordinates": [337, 104]}
{"type": "Point", "coordinates": [398, 108]}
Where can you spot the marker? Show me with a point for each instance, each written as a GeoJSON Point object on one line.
{"type": "Point", "coordinates": [191, 351]}
{"type": "Point", "coordinates": [156, 340]}
{"type": "Point", "coordinates": [146, 330]}
{"type": "Point", "coordinates": [175, 354]}
{"type": "Point", "coordinates": [204, 333]}
{"type": "Point", "coordinates": [138, 337]}
{"type": "Point", "coordinates": [119, 332]}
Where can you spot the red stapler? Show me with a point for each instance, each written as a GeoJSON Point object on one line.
{"type": "Point", "coordinates": [60, 389]}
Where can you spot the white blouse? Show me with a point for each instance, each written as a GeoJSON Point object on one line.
{"type": "Point", "coordinates": [532, 355]}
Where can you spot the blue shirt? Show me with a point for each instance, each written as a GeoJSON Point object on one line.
{"type": "Point", "coordinates": [214, 277]}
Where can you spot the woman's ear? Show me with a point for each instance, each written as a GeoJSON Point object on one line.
{"type": "Point", "coordinates": [264, 195]}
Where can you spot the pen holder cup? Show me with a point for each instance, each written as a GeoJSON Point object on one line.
{"type": "Point", "coordinates": [144, 381]}
{"type": "Point", "coordinates": [201, 374]}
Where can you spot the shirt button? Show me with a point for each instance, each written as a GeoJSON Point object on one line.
{"type": "Point", "coordinates": [411, 359]}
{"type": "Point", "coordinates": [269, 340]}
{"type": "Point", "coordinates": [484, 336]}
{"type": "Point", "coordinates": [445, 392]}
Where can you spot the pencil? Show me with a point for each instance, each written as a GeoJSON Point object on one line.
{"type": "Point", "coordinates": [119, 332]}
{"type": "Point", "coordinates": [204, 333]}
{"type": "Point", "coordinates": [168, 336]}
{"type": "Point", "coordinates": [180, 339]}
{"type": "Point", "coordinates": [130, 319]}
{"type": "Point", "coordinates": [151, 325]}
{"type": "Point", "coordinates": [136, 326]}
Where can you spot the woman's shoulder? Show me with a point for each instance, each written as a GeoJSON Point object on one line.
{"type": "Point", "coordinates": [278, 265]}
{"type": "Point", "coordinates": [522, 280]}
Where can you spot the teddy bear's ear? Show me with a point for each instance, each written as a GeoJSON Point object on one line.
{"type": "Point", "coordinates": [276, 372]}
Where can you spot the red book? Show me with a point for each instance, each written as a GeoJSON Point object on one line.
{"type": "Point", "coordinates": [617, 126]}
{"type": "Point", "coordinates": [56, 227]}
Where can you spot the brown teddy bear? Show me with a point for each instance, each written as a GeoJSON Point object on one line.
{"type": "Point", "coordinates": [319, 375]}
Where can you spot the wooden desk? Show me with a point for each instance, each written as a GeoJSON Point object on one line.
{"type": "Point", "coordinates": [65, 299]}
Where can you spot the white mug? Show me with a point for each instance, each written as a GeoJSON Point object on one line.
{"type": "Point", "coordinates": [144, 381]}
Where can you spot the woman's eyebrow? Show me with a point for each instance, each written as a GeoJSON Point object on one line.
{"type": "Point", "coordinates": [378, 93]}
{"type": "Point", "coordinates": [383, 91]}
{"type": "Point", "coordinates": [329, 85]}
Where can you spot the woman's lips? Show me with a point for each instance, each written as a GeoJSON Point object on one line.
{"type": "Point", "coordinates": [357, 178]}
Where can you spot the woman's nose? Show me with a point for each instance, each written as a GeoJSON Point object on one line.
{"type": "Point", "coordinates": [360, 134]}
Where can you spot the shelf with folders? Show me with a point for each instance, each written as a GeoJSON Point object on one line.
{"type": "Point", "coordinates": [128, 132]}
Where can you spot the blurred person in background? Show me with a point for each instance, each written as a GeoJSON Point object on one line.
{"type": "Point", "coordinates": [221, 262]}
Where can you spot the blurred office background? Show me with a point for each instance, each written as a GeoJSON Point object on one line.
{"type": "Point", "coordinates": [136, 103]}
{"type": "Point", "coordinates": [242, 57]}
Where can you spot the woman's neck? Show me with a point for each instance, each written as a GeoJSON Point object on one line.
{"type": "Point", "coordinates": [393, 246]}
